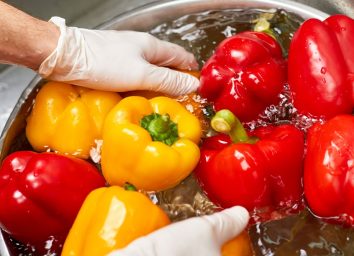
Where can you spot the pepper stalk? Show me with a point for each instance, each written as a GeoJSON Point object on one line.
{"type": "Point", "coordinates": [226, 122]}
{"type": "Point", "coordinates": [263, 25]}
{"type": "Point", "coordinates": [160, 127]}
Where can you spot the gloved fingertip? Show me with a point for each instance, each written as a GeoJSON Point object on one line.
{"type": "Point", "coordinates": [228, 223]}
{"type": "Point", "coordinates": [238, 213]}
{"type": "Point", "coordinates": [193, 65]}
{"type": "Point", "coordinates": [190, 63]}
{"type": "Point", "coordinates": [194, 83]}
{"type": "Point", "coordinates": [169, 81]}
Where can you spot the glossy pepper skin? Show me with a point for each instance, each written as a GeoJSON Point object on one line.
{"type": "Point", "coordinates": [245, 74]}
{"type": "Point", "coordinates": [321, 67]}
{"type": "Point", "coordinates": [239, 246]}
{"type": "Point", "coordinates": [68, 119]}
{"type": "Point", "coordinates": [329, 169]}
{"type": "Point", "coordinates": [111, 218]}
{"type": "Point", "coordinates": [264, 174]}
{"type": "Point", "coordinates": [130, 154]}
{"type": "Point", "coordinates": [41, 193]}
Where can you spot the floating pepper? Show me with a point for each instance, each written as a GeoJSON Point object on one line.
{"type": "Point", "coordinates": [329, 169]}
{"type": "Point", "coordinates": [321, 67]}
{"type": "Point", "coordinates": [253, 172]}
{"type": "Point", "coordinates": [40, 195]}
{"type": "Point", "coordinates": [245, 74]}
{"type": "Point", "coordinates": [110, 219]}
{"type": "Point", "coordinates": [151, 144]}
{"type": "Point", "coordinates": [68, 119]}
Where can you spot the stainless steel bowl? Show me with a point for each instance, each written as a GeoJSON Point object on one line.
{"type": "Point", "coordinates": [141, 19]}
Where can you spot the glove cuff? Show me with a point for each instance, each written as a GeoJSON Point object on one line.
{"type": "Point", "coordinates": [47, 66]}
{"type": "Point", "coordinates": [68, 60]}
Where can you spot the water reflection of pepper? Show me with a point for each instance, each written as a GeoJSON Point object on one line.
{"type": "Point", "coordinates": [321, 67]}
{"type": "Point", "coordinates": [248, 171]}
{"type": "Point", "coordinates": [40, 195]}
{"type": "Point", "coordinates": [245, 74]}
{"type": "Point", "coordinates": [329, 169]}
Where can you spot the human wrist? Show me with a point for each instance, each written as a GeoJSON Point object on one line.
{"type": "Point", "coordinates": [25, 40]}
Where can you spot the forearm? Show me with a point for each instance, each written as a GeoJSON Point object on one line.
{"type": "Point", "coordinates": [25, 40]}
{"type": "Point", "coordinates": [84, 57]}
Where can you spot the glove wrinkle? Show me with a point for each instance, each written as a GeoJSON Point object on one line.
{"type": "Point", "coordinates": [47, 66]}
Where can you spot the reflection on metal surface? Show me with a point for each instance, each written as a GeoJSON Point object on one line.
{"type": "Point", "coordinates": [3, 249]}
{"type": "Point", "coordinates": [146, 17]}
{"type": "Point", "coordinates": [12, 82]}
{"type": "Point", "coordinates": [332, 6]}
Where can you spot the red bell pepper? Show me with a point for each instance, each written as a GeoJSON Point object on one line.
{"type": "Point", "coordinates": [245, 74]}
{"type": "Point", "coordinates": [254, 173]}
{"type": "Point", "coordinates": [321, 67]}
{"type": "Point", "coordinates": [41, 194]}
{"type": "Point", "coordinates": [329, 169]}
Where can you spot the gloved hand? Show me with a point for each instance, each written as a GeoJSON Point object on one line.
{"type": "Point", "coordinates": [199, 236]}
{"type": "Point", "coordinates": [118, 61]}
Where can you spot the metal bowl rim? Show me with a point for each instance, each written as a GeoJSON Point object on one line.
{"type": "Point", "coordinates": [289, 5]}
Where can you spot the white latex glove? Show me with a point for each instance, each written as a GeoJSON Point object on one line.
{"type": "Point", "coordinates": [118, 61]}
{"type": "Point", "coordinates": [199, 236]}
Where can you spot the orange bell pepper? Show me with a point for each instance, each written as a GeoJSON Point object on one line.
{"type": "Point", "coordinates": [110, 219]}
{"type": "Point", "coordinates": [239, 246]}
{"type": "Point", "coordinates": [68, 119]}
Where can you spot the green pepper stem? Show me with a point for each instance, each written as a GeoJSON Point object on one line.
{"type": "Point", "coordinates": [263, 25]}
{"type": "Point", "coordinates": [159, 124]}
{"type": "Point", "coordinates": [226, 122]}
{"type": "Point", "coordinates": [160, 127]}
{"type": "Point", "coordinates": [129, 187]}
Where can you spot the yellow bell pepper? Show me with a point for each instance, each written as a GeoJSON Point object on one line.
{"type": "Point", "coordinates": [239, 246]}
{"type": "Point", "coordinates": [68, 119]}
{"type": "Point", "coordinates": [151, 144]}
{"type": "Point", "coordinates": [111, 218]}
